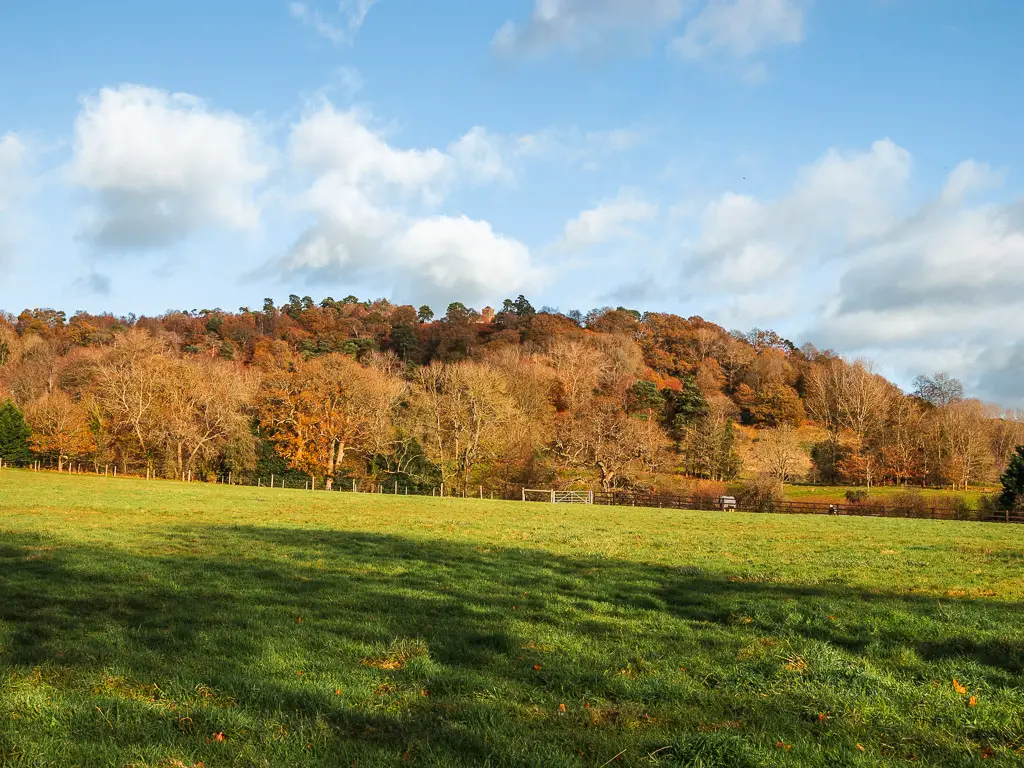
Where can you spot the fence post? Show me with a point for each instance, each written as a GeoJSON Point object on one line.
{"type": "Point", "coordinates": [524, 494]}
{"type": "Point", "coordinates": [442, 490]}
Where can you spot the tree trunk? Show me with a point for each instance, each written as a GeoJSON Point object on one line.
{"type": "Point", "coordinates": [329, 480]}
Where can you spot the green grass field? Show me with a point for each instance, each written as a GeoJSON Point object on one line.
{"type": "Point", "coordinates": [837, 493]}
{"type": "Point", "coordinates": [168, 625]}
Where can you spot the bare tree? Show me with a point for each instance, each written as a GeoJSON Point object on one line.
{"type": "Point", "coordinates": [939, 390]}
{"type": "Point", "coordinates": [965, 436]}
{"type": "Point", "coordinates": [778, 453]}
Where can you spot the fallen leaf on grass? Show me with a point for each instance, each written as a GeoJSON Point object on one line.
{"type": "Point", "coordinates": [987, 753]}
{"type": "Point", "coordinates": [959, 688]}
{"type": "Point", "coordinates": [782, 745]}
{"type": "Point", "coordinates": [561, 709]}
{"type": "Point", "coordinates": [219, 736]}
{"type": "Point", "coordinates": [860, 747]}
{"type": "Point", "coordinates": [822, 717]}
{"type": "Point", "coordinates": [536, 667]}
{"type": "Point", "coordinates": [973, 701]}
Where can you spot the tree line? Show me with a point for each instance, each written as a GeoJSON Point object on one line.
{"type": "Point", "coordinates": [377, 392]}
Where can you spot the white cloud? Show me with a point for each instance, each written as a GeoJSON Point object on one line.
{"type": "Point", "coordinates": [15, 186]}
{"type": "Point", "coordinates": [741, 28]}
{"type": "Point", "coordinates": [459, 256]}
{"type": "Point", "coordinates": [483, 156]}
{"type": "Point", "coordinates": [609, 220]}
{"type": "Point", "coordinates": [372, 203]}
{"type": "Point", "coordinates": [338, 27]}
{"type": "Point", "coordinates": [946, 273]}
{"type": "Point", "coordinates": [586, 24]}
{"type": "Point", "coordinates": [967, 178]}
{"type": "Point", "coordinates": [14, 161]}
{"type": "Point", "coordinates": [339, 143]}
{"type": "Point", "coordinates": [839, 200]}
{"type": "Point", "coordinates": [933, 286]}
{"type": "Point", "coordinates": [163, 165]}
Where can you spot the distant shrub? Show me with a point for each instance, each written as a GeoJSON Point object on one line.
{"type": "Point", "coordinates": [760, 494]}
{"type": "Point", "coordinates": [709, 491]}
{"type": "Point", "coordinates": [858, 496]}
{"type": "Point", "coordinates": [958, 506]}
{"type": "Point", "coordinates": [911, 502]}
{"type": "Point", "coordinates": [989, 505]}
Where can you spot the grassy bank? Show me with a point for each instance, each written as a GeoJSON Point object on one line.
{"type": "Point", "coordinates": [164, 624]}
{"type": "Point", "coordinates": [837, 494]}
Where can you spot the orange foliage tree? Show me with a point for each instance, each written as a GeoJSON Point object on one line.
{"type": "Point", "coordinates": [326, 408]}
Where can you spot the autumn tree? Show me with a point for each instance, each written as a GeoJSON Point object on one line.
{"type": "Point", "coordinates": [850, 401]}
{"type": "Point", "coordinates": [965, 442]}
{"type": "Point", "coordinates": [598, 437]}
{"type": "Point", "coordinates": [129, 383]}
{"type": "Point", "coordinates": [578, 369]}
{"type": "Point", "coordinates": [903, 450]}
{"type": "Point", "coordinates": [778, 454]}
{"type": "Point", "coordinates": [467, 417]}
{"type": "Point", "coordinates": [61, 428]}
{"type": "Point", "coordinates": [327, 408]}
{"type": "Point", "coordinates": [205, 413]}
{"type": "Point", "coordinates": [939, 390]}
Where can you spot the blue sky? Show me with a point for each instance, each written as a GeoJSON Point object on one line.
{"type": "Point", "coordinates": [848, 172]}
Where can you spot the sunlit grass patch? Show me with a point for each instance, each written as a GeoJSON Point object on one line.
{"type": "Point", "coordinates": [167, 623]}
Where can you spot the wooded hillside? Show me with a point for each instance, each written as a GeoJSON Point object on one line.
{"type": "Point", "coordinates": [375, 391]}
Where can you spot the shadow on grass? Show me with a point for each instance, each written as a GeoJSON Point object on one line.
{"type": "Point", "coordinates": [448, 654]}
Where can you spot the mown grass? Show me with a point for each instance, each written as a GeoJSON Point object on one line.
{"type": "Point", "coordinates": [163, 624]}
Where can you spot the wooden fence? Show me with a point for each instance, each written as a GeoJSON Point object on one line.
{"type": "Point", "coordinates": [867, 509]}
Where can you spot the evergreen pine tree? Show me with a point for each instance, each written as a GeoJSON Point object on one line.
{"type": "Point", "coordinates": [14, 434]}
{"type": "Point", "coordinates": [1013, 481]}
